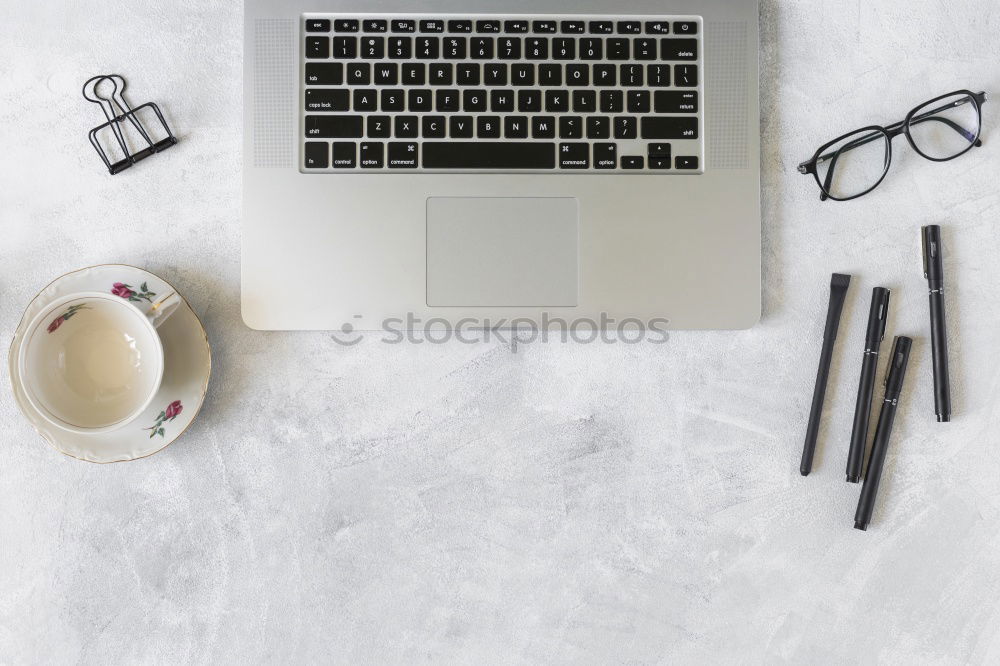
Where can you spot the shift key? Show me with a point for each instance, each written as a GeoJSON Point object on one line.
{"type": "Point", "coordinates": [669, 128]}
{"type": "Point", "coordinates": [334, 127]}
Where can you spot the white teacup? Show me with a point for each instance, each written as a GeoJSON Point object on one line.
{"type": "Point", "coordinates": [92, 362]}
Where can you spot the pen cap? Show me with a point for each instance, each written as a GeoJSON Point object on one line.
{"type": "Point", "coordinates": [930, 237]}
{"type": "Point", "coordinates": [897, 366]}
{"type": "Point", "coordinates": [877, 317]}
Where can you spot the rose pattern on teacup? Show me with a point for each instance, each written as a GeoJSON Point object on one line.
{"type": "Point", "coordinates": [58, 321]}
{"type": "Point", "coordinates": [172, 411]}
{"type": "Point", "coordinates": [130, 293]}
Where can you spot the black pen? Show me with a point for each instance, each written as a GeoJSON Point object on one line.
{"type": "Point", "coordinates": [880, 446]}
{"type": "Point", "coordinates": [862, 410]}
{"type": "Point", "coordinates": [838, 292]}
{"type": "Point", "coordinates": [934, 272]}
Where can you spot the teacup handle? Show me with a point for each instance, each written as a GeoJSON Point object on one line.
{"type": "Point", "coordinates": [163, 308]}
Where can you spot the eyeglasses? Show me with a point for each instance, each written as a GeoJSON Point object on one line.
{"type": "Point", "coordinates": [856, 163]}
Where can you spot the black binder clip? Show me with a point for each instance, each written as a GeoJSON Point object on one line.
{"type": "Point", "coordinates": [118, 111]}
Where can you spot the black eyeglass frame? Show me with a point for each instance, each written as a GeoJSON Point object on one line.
{"type": "Point", "coordinates": [890, 132]}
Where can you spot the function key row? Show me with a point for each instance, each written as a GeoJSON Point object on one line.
{"type": "Point", "coordinates": [513, 26]}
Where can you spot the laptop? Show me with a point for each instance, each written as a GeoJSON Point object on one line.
{"type": "Point", "coordinates": [590, 161]}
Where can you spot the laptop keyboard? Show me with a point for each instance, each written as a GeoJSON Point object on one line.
{"type": "Point", "coordinates": [504, 93]}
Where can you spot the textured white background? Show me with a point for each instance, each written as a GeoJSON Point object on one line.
{"type": "Point", "coordinates": [466, 504]}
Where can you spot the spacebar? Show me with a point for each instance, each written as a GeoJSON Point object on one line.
{"type": "Point", "coordinates": [489, 155]}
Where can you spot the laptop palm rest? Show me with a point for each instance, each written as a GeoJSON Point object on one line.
{"type": "Point", "coordinates": [502, 252]}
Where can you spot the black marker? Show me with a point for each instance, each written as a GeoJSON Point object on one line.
{"type": "Point", "coordinates": [934, 272]}
{"type": "Point", "coordinates": [838, 292]}
{"type": "Point", "coordinates": [893, 387]}
{"type": "Point", "coordinates": [862, 411]}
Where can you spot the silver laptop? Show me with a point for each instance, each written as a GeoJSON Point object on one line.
{"type": "Point", "coordinates": [585, 161]}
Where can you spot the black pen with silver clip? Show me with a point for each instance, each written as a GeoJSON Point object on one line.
{"type": "Point", "coordinates": [934, 273]}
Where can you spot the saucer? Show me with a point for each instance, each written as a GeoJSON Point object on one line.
{"type": "Point", "coordinates": [187, 357]}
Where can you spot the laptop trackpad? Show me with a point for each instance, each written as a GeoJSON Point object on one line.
{"type": "Point", "coordinates": [502, 252]}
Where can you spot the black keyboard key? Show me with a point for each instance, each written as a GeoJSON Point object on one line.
{"type": "Point", "coordinates": [442, 74]}
{"type": "Point", "coordinates": [584, 101]}
{"type": "Point", "coordinates": [317, 155]}
{"type": "Point", "coordinates": [489, 155]}
{"type": "Point", "coordinates": [373, 48]}
{"type": "Point", "coordinates": [570, 127]}
{"type": "Point", "coordinates": [632, 75]}
{"type": "Point", "coordinates": [455, 48]}
{"type": "Point", "coordinates": [678, 49]}
{"type": "Point", "coordinates": [612, 101]}
{"type": "Point", "coordinates": [686, 28]}
{"type": "Point", "coordinates": [488, 26]}
{"type": "Point", "coordinates": [407, 127]}
{"type": "Point", "coordinates": [359, 74]}
{"type": "Point", "coordinates": [633, 162]}
{"type": "Point", "coordinates": [522, 75]}
{"type": "Point", "coordinates": [626, 127]}
{"type": "Point", "coordinates": [515, 26]}
{"type": "Point", "coordinates": [658, 27]}
{"type": "Point", "coordinates": [564, 48]}
{"type": "Point", "coordinates": [474, 101]}
{"type": "Point", "coordinates": [467, 75]}
{"type": "Point", "coordinates": [404, 155]}
{"type": "Point", "coordinates": [334, 127]}
{"type": "Point", "coordinates": [543, 127]}
{"type": "Point", "coordinates": [515, 127]}
{"type": "Point", "coordinates": [686, 76]}
{"type": "Point", "coordinates": [529, 101]}
{"type": "Point", "coordinates": [659, 75]}
{"type": "Point", "coordinates": [414, 74]}
{"type": "Point", "coordinates": [605, 75]}
{"type": "Point", "coordinates": [669, 127]}
{"type": "Point", "coordinates": [365, 99]}
{"type": "Point", "coordinates": [638, 101]}
{"type": "Point", "coordinates": [346, 25]}
{"type": "Point", "coordinates": [550, 75]}
{"type": "Point", "coordinates": [372, 155]}
{"type": "Point", "coordinates": [482, 48]}
{"type": "Point", "coordinates": [379, 127]}
{"type": "Point", "coordinates": [605, 155]}
{"type": "Point", "coordinates": [318, 47]}
{"type": "Point", "coordinates": [660, 163]}
{"type": "Point", "coordinates": [376, 25]}
{"type": "Point", "coordinates": [447, 101]}
{"type": "Point", "coordinates": [660, 150]}
{"type": "Point", "coordinates": [598, 127]}
{"type": "Point", "coordinates": [461, 127]}
{"type": "Point", "coordinates": [401, 25]}
{"type": "Point", "coordinates": [401, 48]}
{"type": "Point", "coordinates": [459, 26]}
{"type": "Point", "coordinates": [386, 74]}
{"type": "Point", "coordinates": [433, 25]}
{"type": "Point", "coordinates": [685, 163]}
{"type": "Point", "coordinates": [578, 75]}
{"type": "Point", "coordinates": [629, 27]}
{"type": "Point", "coordinates": [509, 48]}
{"type": "Point", "coordinates": [556, 101]}
{"type": "Point", "coordinates": [501, 101]}
{"type": "Point", "coordinates": [420, 100]}
{"type": "Point", "coordinates": [602, 27]}
{"type": "Point", "coordinates": [618, 49]}
{"type": "Point", "coordinates": [495, 75]}
{"type": "Point", "coordinates": [574, 156]}
{"type": "Point", "coordinates": [591, 48]}
{"type": "Point", "coordinates": [537, 48]}
{"type": "Point", "coordinates": [675, 101]}
{"type": "Point", "coordinates": [573, 27]}
{"type": "Point", "coordinates": [317, 25]}
{"type": "Point", "coordinates": [345, 48]}
{"type": "Point", "coordinates": [345, 155]}
{"type": "Point", "coordinates": [324, 73]}
{"type": "Point", "coordinates": [428, 48]}
{"type": "Point", "coordinates": [488, 127]}
{"type": "Point", "coordinates": [544, 27]}
{"type": "Point", "coordinates": [644, 48]}
{"type": "Point", "coordinates": [393, 100]}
